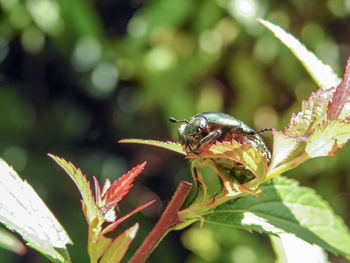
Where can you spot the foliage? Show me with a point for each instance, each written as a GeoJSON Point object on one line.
{"type": "Point", "coordinates": [319, 129]}
{"type": "Point", "coordinates": [101, 209]}
{"type": "Point", "coordinates": [23, 211]}
{"type": "Point", "coordinates": [77, 75]}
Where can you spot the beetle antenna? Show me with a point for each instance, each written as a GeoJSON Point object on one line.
{"type": "Point", "coordinates": [264, 130]}
{"type": "Point", "coordinates": [172, 119]}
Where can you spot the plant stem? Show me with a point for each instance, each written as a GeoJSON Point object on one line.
{"type": "Point", "coordinates": [168, 219]}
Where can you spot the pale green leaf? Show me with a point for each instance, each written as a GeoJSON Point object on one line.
{"type": "Point", "coordinates": [251, 158]}
{"type": "Point", "coordinates": [328, 138]}
{"type": "Point", "coordinates": [22, 210]}
{"type": "Point", "coordinates": [320, 72]}
{"type": "Point", "coordinates": [309, 134]}
{"type": "Point", "coordinates": [10, 242]}
{"type": "Point", "coordinates": [120, 245]}
{"type": "Point", "coordinates": [102, 245]}
{"type": "Point", "coordinates": [175, 147]}
{"type": "Point", "coordinates": [91, 210]}
{"type": "Point", "coordinates": [286, 207]}
{"type": "Point", "coordinates": [289, 249]}
{"type": "Point", "coordinates": [313, 112]}
{"type": "Point", "coordinates": [283, 146]}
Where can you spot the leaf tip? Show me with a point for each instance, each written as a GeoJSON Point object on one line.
{"type": "Point", "coordinates": [133, 230]}
{"type": "Point", "coordinates": [51, 155]}
{"type": "Point", "coordinates": [262, 21]}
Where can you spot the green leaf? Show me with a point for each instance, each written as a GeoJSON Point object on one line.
{"type": "Point", "coordinates": [328, 138]}
{"type": "Point", "coordinates": [120, 245]}
{"type": "Point", "coordinates": [90, 208]}
{"type": "Point", "coordinates": [10, 242]}
{"type": "Point", "coordinates": [289, 248]}
{"type": "Point", "coordinates": [175, 147]}
{"type": "Point", "coordinates": [319, 129]}
{"type": "Point", "coordinates": [101, 246]}
{"type": "Point", "coordinates": [286, 207]}
{"type": "Point", "coordinates": [23, 211]}
{"type": "Point", "coordinates": [251, 158]}
{"type": "Point", "coordinates": [320, 72]}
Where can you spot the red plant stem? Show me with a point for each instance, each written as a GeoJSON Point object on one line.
{"type": "Point", "coordinates": [168, 219]}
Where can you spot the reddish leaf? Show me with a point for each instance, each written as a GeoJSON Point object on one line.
{"type": "Point", "coordinates": [112, 226]}
{"type": "Point", "coordinates": [97, 192]}
{"type": "Point", "coordinates": [121, 187]}
{"type": "Point", "coordinates": [341, 95]}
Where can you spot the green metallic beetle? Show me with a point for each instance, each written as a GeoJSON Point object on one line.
{"type": "Point", "coordinates": [208, 127]}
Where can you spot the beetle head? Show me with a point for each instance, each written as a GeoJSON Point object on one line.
{"type": "Point", "coordinates": [195, 126]}
{"type": "Point", "coordinates": [191, 132]}
{"type": "Point", "coordinates": [182, 135]}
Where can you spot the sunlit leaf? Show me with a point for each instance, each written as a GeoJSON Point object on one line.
{"type": "Point", "coordinates": [120, 245]}
{"type": "Point", "coordinates": [320, 72]}
{"type": "Point", "coordinates": [286, 207]}
{"type": "Point", "coordinates": [313, 112]}
{"type": "Point", "coordinates": [175, 147]}
{"type": "Point", "coordinates": [319, 129]}
{"type": "Point", "coordinates": [22, 210]}
{"type": "Point", "coordinates": [90, 208]}
{"type": "Point", "coordinates": [283, 146]}
{"type": "Point", "coordinates": [10, 242]}
{"type": "Point", "coordinates": [289, 248]}
{"type": "Point", "coordinates": [328, 138]}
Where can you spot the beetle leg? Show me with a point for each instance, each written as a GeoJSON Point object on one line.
{"type": "Point", "coordinates": [189, 145]}
{"type": "Point", "coordinates": [208, 138]}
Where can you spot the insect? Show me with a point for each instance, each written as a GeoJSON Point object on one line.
{"type": "Point", "coordinates": [208, 127]}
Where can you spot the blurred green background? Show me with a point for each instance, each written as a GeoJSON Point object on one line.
{"type": "Point", "coordinates": [78, 75]}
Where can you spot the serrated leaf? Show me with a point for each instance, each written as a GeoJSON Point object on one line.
{"type": "Point", "coordinates": [320, 72]}
{"type": "Point", "coordinates": [341, 97]}
{"type": "Point", "coordinates": [10, 242]}
{"type": "Point", "coordinates": [319, 129]}
{"type": "Point", "coordinates": [286, 207]}
{"type": "Point", "coordinates": [119, 188]}
{"type": "Point", "coordinates": [313, 112]}
{"type": "Point", "coordinates": [251, 158]}
{"type": "Point", "coordinates": [289, 248]}
{"type": "Point", "coordinates": [327, 138]}
{"type": "Point", "coordinates": [175, 147]}
{"type": "Point", "coordinates": [90, 208]}
{"type": "Point", "coordinates": [120, 245]}
{"type": "Point", "coordinates": [22, 210]}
